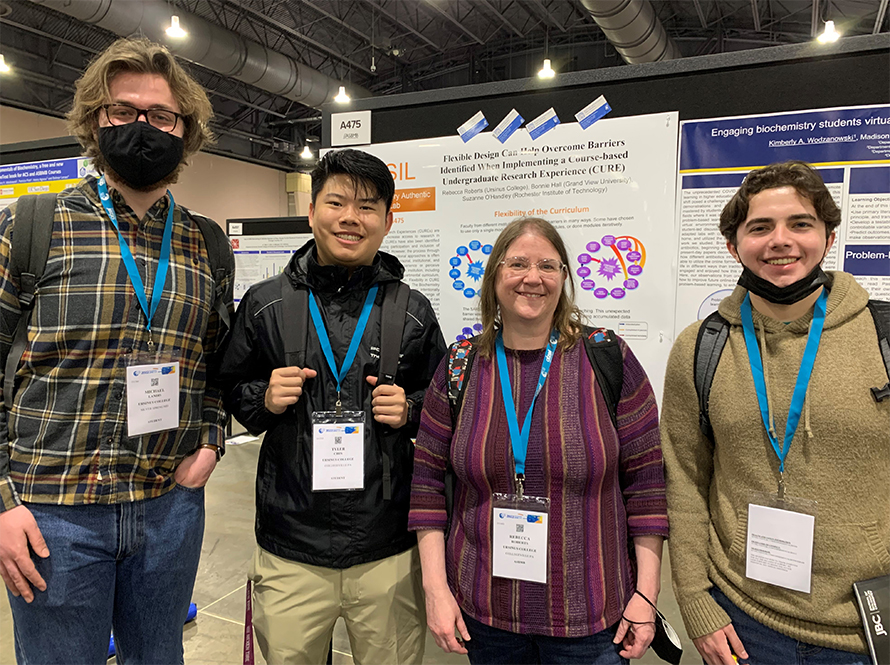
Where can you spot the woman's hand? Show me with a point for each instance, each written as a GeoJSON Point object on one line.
{"type": "Point", "coordinates": [443, 616]}
{"type": "Point", "coordinates": [635, 637]}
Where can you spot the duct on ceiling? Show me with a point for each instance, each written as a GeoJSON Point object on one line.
{"type": "Point", "coordinates": [634, 30]}
{"type": "Point", "coordinates": [209, 45]}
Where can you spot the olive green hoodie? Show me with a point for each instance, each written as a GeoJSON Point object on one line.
{"type": "Point", "coordinates": [840, 457]}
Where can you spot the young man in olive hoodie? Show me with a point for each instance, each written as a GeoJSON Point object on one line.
{"type": "Point", "coordinates": [779, 226]}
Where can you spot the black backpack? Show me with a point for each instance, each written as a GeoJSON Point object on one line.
{"type": "Point", "coordinates": [603, 352]}
{"type": "Point", "coordinates": [712, 337]}
{"type": "Point", "coordinates": [295, 302]}
{"type": "Point", "coordinates": [32, 234]}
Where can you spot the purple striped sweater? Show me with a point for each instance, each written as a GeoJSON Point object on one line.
{"type": "Point", "coordinates": [605, 487]}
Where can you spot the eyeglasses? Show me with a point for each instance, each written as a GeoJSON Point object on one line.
{"type": "Point", "coordinates": [519, 265]}
{"type": "Point", "coordinates": [124, 114]}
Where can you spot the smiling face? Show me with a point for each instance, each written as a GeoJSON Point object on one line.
{"type": "Point", "coordinates": [529, 299]}
{"type": "Point", "coordinates": [348, 226]}
{"type": "Point", "coordinates": [781, 239]}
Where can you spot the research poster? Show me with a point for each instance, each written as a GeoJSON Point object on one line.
{"type": "Point", "coordinates": [40, 177]}
{"type": "Point", "coordinates": [259, 257]}
{"type": "Point", "coordinates": [609, 189]}
{"type": "Point", "coordinates": [851, 149]}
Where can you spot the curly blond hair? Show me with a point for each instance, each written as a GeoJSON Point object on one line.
{"type": "Point", "coordinates": [139, 56]}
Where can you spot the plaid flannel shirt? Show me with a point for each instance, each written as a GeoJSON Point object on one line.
{"type": "Point", "coordinates": [64, 441]}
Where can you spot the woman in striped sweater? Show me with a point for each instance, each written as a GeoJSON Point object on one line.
{"type": "Point", "coordinates": [559, 515]}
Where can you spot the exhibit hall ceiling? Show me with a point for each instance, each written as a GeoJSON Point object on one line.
{"type": "Point", "coordinates": [270, 64]}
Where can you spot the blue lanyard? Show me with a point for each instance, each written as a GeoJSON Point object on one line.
{"type": "Point", "coordinates": [803, 375]}
{"type": "Point", "coordinates": [130, 262]}
{"type": "Point", "coordinates": [519, 438]}
{"type": "Point", "coordinates": [353, 345]}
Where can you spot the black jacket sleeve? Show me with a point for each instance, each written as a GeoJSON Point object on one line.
{"type": "Point", "coordinates": [431, 347]}
{"type": "Point", "coordinates": [242, 374]}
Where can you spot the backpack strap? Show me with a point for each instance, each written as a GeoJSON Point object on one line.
{"type": "Point", "coordinates": [607, 361]}
{"type": "Point", "coordinates": [222, 265]}
{"type": "Point", "coordinates": [460, 361]}
{"type": "Point", "coordinates": [880, 312]}
{"type": "Point", "coordinates": [31, 237]}
{"type": "Point", "coordinates": [712, 336]}
{"type": "Point", "coordinates": [295, 306]}
{"type": "Point", "coordinates": [392, 325]}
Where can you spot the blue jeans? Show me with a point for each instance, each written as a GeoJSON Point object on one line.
{"type": "Point", "coordinates": [493, 646]}
{"type": "Point", "coordinates": [129, 566]}
{"type": "Point", "coordinates": [766, 646]}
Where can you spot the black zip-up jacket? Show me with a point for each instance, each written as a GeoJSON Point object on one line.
{"type": "Point", "coordinates": [331, 529]}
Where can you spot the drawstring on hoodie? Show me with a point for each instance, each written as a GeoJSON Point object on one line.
{"type": "Point", "coordinates": [769, 399]}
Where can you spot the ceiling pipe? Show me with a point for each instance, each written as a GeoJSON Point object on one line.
{"type": "Point", "coordinates": [634, 30]}
{"type": "Point", "coordinates": [209, 45]}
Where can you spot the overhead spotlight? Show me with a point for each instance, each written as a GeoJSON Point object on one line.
{"type": "Point", "coordinates": [829, 34]}
{"type": "Point", "coordinates": [4, 68]}
{"type": "Point", "coordinates": [546, 71]}
{"type": "Point", "coordinates": [175, 30]}
{"type": "Point", "coordinates": [307, 153]}
{"type": "Point", "coordinates": [342, 97]}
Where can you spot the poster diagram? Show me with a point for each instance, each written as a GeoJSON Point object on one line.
{"type": "Point", "coordinates": [616, 271]}
{"type": "Point", "coordinates": [466, 271]}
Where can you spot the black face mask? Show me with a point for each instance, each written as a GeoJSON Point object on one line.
{"type": "Point", "coordinates": [783, 295]}
{"type": "Point", "coordinates": [141, 154]}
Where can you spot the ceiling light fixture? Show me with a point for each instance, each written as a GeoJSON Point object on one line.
{"type": "Point", "coordinates": [342, 97]}
{"type": "Point", "coordinates": [4, 68]}
{"type": "Point", "coordinates": [175, 30]}
{"type": "Point", "coordinates": [546, 71]}
{"type": "Point", "coordinates": [307, 153]}
{"type": "Point", "coordinates": [829, 34]}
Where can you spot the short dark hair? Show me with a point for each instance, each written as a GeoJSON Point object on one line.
{"type": "Point", "coordinates": [364, 170]}
{"type": "Point", "coordinates": [800, 175]}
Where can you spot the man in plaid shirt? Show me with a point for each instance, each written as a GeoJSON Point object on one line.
{"type": "Point", "coordinates": [112, 429]}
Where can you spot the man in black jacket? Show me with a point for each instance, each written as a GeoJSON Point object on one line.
{"type": "Point", "coordinates": [331, 529]}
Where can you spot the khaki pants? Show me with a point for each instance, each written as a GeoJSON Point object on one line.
{"type": "Point", "coordinates": [296, 606]}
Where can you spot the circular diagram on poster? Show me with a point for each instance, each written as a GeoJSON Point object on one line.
{"type": "Point", "coordinates": [709, 305]}
{"type": "Point", "coordinates": [611, 267]}
{"type": "Point", "coordinates": [469, 331]}
{"type": "Point", "coordinates": [467, 267]}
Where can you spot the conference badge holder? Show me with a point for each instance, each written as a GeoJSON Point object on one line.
{"type": "Point", "coordinates": [152, 392]}
{"type": "Point", "coordinates": [520, 531]}
{"type": "Point", "coordinates": [779, 543]}
{"type": "Point", "coordinates": [338, 451]}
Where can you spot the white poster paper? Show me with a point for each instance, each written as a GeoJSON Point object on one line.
{"type": "Point", "coordinates": [609, 190]}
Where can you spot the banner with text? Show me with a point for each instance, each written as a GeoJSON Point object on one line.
{"type": "Point", "coordinates": [609, 190]}
{"type": "Point", "coordinates": [851, 149]}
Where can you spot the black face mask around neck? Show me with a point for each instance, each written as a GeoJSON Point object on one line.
{"type": "Point", "coordinates": [783, 295]}
{"type": "Point", "coordinates": [141, 154]}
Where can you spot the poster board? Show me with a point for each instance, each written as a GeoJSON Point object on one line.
{"type": "Point", "coordinates": [53, 175]}
{"type": "Point", "coordinates": [849, 146]}
{"type": "Point", "coordinates": [608, 189]}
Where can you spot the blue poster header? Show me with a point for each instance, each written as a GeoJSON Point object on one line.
{"type": "Point", "coordinates": [870, 180]}
{"type": "Point", "coordinates": [819, 137]}
{"type": "Point", "coordinates": [57, 169]}
{"type": "Point", "coordinates": [867, 260]}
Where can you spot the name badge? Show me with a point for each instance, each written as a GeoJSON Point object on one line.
{"type": "Point", "coordinates": [779, 548]}
{"type": "Point", "coordinates": [152, 398]}
{"type": "Point", "coordinates": [338, 451]}
{"type": "Point", "coordinates": [520, 533]}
